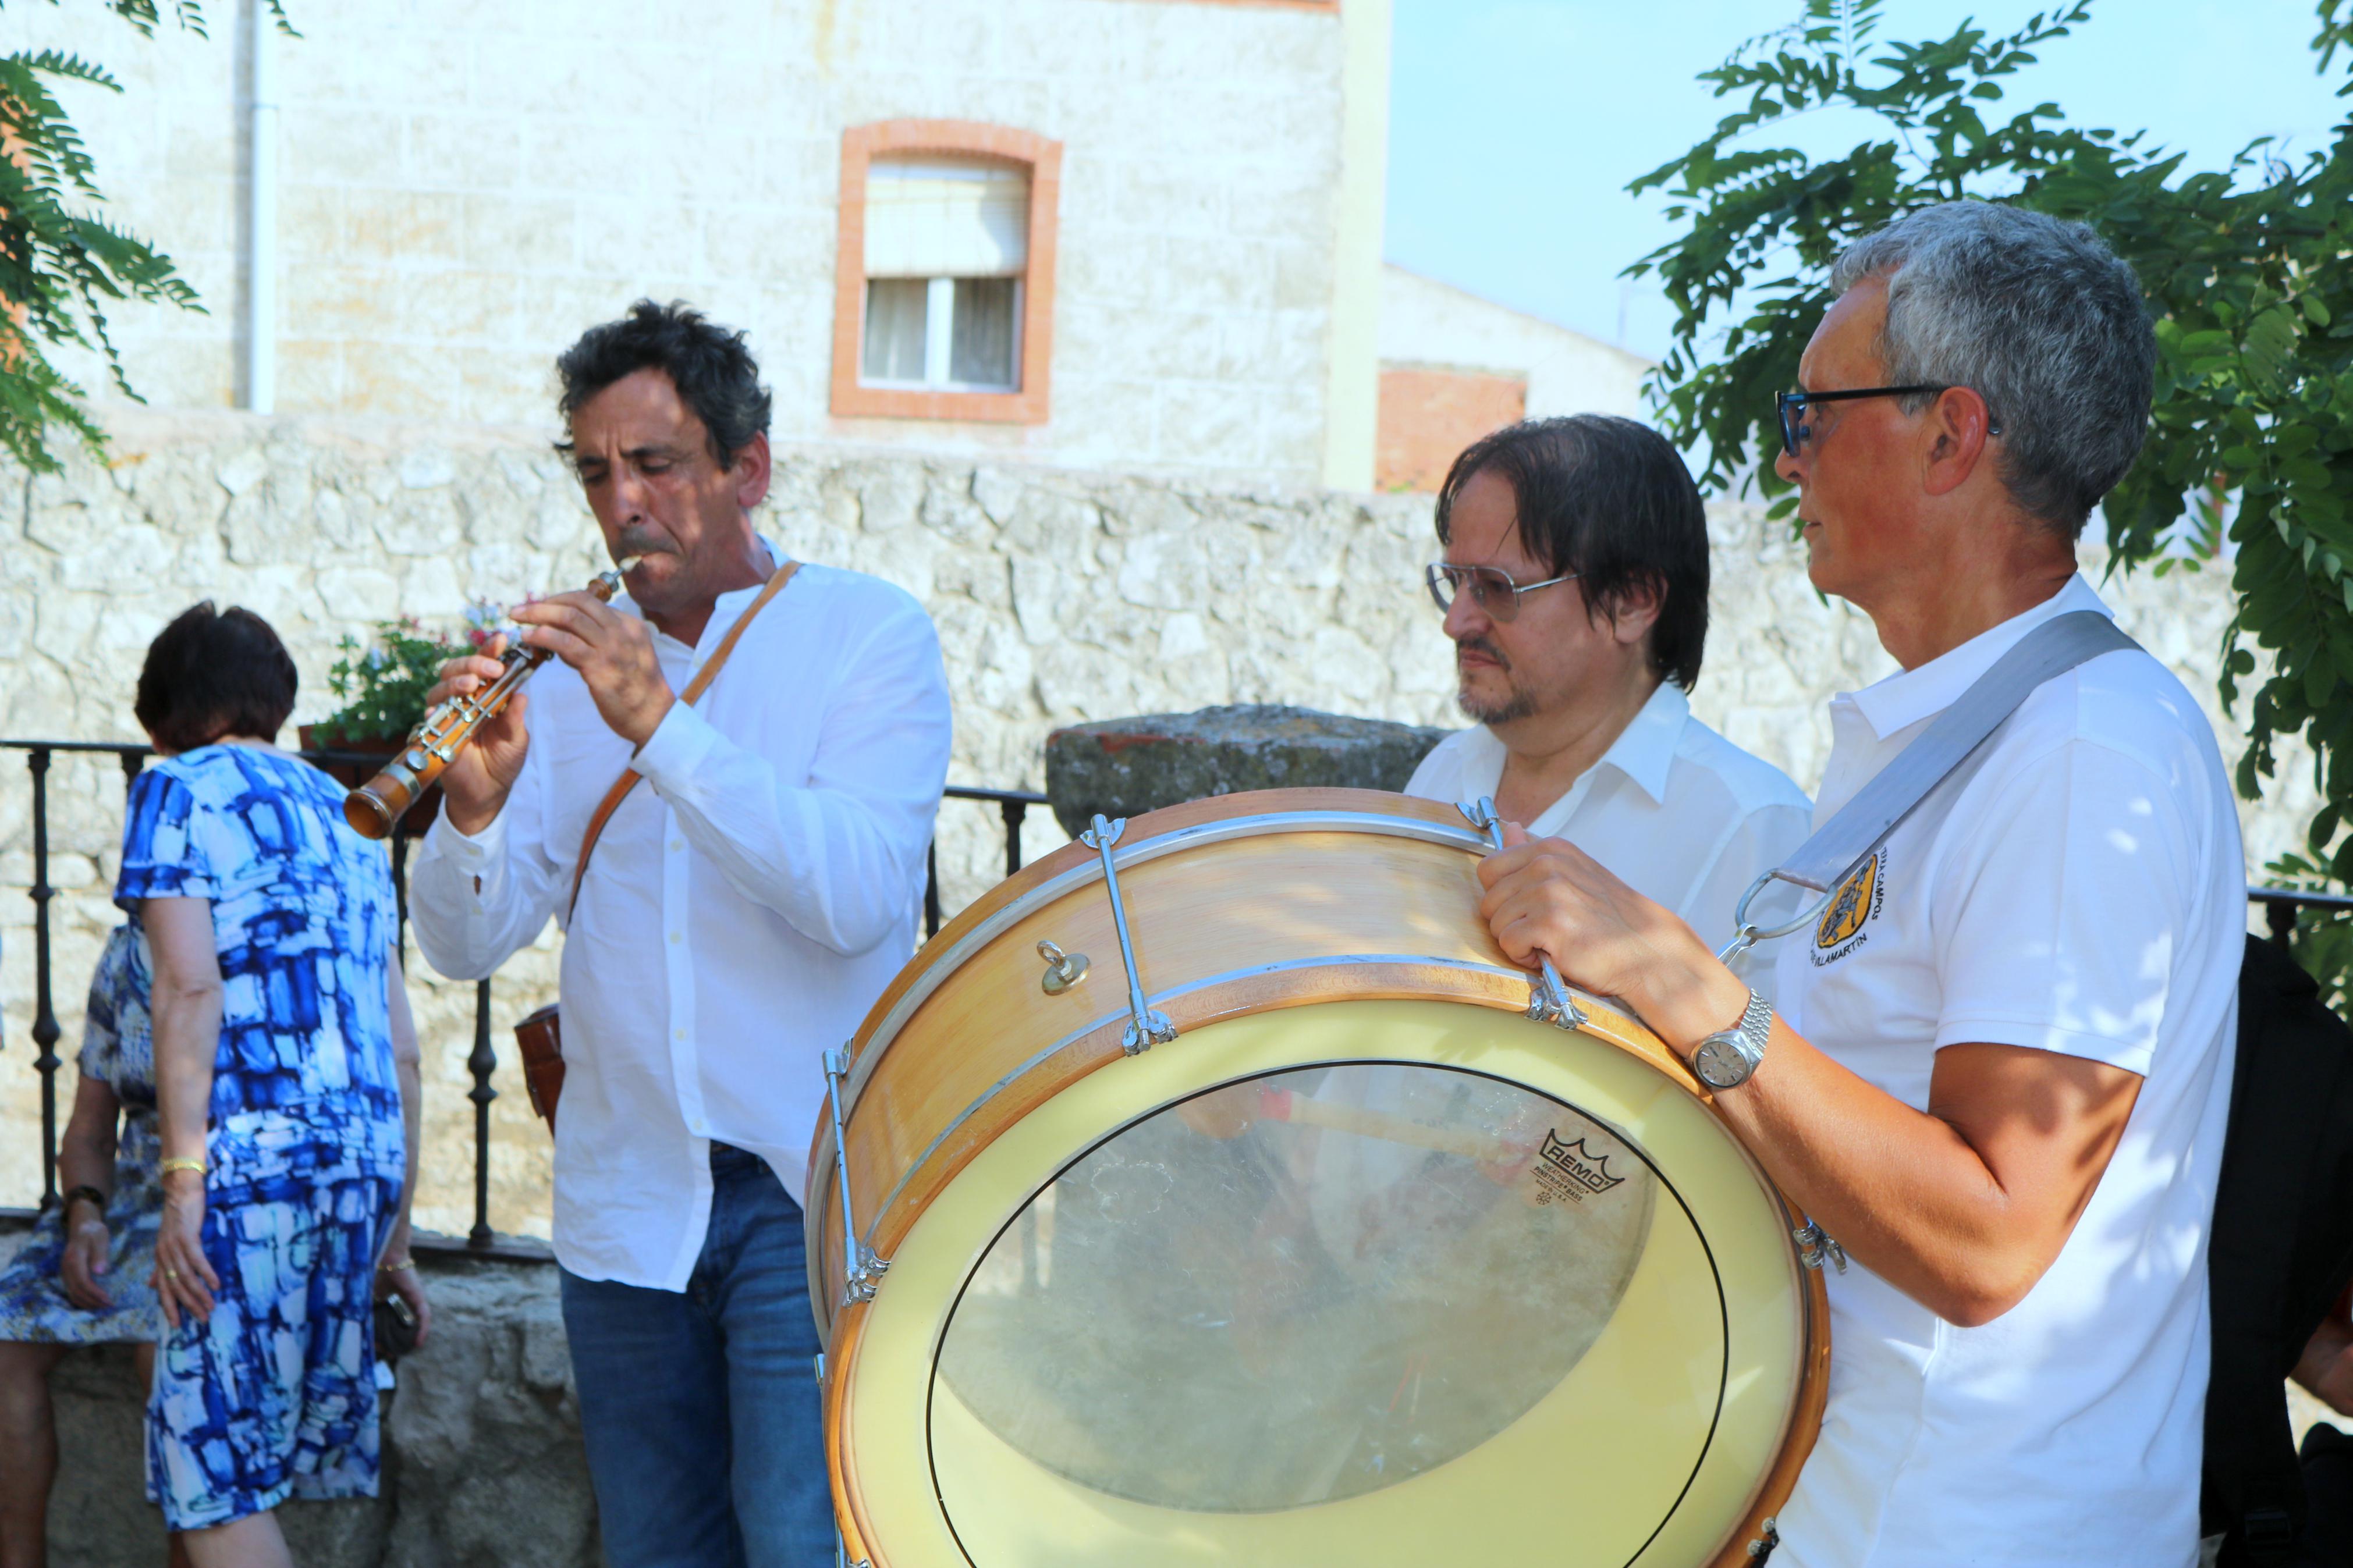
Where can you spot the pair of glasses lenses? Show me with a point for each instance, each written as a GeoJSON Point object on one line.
{"type": "Point", "coordinates": [1495, 595]}
{"type": "Point", "coordinates": [1794, 430]}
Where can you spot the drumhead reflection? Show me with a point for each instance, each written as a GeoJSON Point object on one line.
{"type": "Point", "coordinates": [1302, 1287]}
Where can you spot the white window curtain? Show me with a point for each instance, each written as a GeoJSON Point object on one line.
{"type": "Point", "coordinates": [938, 217]}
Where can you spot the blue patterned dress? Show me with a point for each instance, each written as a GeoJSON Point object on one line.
{"type": "Point", "coordinates": [115, 1051]}
{"type": "Point", "coordinates": [274, 1397]}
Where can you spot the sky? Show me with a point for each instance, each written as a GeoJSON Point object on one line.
{"type": "Point", "coordinates": [1514, 125]}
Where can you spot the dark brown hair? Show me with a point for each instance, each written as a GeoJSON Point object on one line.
{"type": "Point", "coordinates": [213, 673]}
{"type": "Point", "coordinates": [1609, 500]}
{"type": "Point", "coordinates": [713, 371]}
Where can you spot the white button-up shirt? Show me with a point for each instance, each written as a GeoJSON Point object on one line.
{"type": "Point", "coordinates": [2075, 887]}
{"type": "Point", "coordinates": [743, 909]}
{"type": "Point", "coordinates": [1672, 809]}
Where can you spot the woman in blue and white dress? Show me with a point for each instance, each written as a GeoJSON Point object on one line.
{"type": "Point", "coordinates": [82, 1275]}
{"type": "Point", "coordinates": [285, 1086]}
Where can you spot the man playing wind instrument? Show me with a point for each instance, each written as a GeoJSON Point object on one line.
{"type": "Point", "coordinates": [745, 905]}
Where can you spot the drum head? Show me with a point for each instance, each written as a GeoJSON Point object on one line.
{"type": "Point", "coordinates": [1409, 1282]}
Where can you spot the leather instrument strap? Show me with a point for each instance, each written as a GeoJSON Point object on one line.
{"type": "Point", "coordinates": [694, 689]}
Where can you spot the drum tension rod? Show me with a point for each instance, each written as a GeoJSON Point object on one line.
{"type": "Point", "coordinates": [1146, 1027]}
{"type": "Point", "coordinates": [862, 1266]}
{"type": "Point", "coordinates": [1548, 999]}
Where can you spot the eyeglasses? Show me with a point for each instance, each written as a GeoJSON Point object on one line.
{"type": "Point", "coordinates": [1790, 408]}
{"type": "Point", "coordinates": [1490, 587]}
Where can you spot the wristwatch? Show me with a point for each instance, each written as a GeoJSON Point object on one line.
{"type": "Point", "coordinates": [1726, 1058]}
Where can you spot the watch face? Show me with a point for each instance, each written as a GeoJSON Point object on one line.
{"type": "Point", "coordinates": [1718, 1064]}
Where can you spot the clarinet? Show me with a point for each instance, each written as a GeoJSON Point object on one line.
{"type": "Point", "coordinates": [375, 807]}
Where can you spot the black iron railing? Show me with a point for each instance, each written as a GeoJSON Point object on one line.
{"type": "Point", "coordinates": [1012, 804]}
{"type": "Point", "coordinates": [2280, 907]}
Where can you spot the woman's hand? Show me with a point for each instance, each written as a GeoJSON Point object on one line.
{"type": "Point", "coordinates": [88, 1247]}
{"type": "Point", "coordinates": [184, 1281]}
{"type": "Point", "coordinates": [408, 1284]}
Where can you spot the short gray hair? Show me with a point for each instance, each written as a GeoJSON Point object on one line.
{"type": "Point", "coordinates": [2037, 315]}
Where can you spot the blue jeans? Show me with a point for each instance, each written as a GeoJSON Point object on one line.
{"type": "Point", "coordinates": [704, 1433]}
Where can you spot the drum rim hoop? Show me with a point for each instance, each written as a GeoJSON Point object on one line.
{"type": "Point", "coordinates": [842, 1327]}
{"type": "Point", "coordinates": [873, 1041]}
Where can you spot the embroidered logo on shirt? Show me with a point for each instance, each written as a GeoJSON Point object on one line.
{"type": "Point", "coordinates": [1857, 899]}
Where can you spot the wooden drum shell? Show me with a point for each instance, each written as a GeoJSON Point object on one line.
{"type": "Point", "coordinates": [1235, 905]}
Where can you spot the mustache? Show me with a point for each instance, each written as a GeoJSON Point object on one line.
{"type": "Point", "coordinates": [643, 541]}
{"type": "Point", "coordinates": [1481, 645]}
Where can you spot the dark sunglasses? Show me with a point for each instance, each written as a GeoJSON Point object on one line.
{"type": "Point", "coordinates": [1790, 407]}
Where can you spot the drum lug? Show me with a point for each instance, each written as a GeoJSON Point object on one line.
{"type": "Point", "coordinates": [1816, 1245]}
{"type": "Point", "coordinates": [1548, 998]}
{"type": "Point", "coordinates": [862, 1266]}
{"type": "Point", "coordinates": [1148, 1027]}
{"type": "Point", "coordinates": [1063, 969]}
{"type": "Point", "coordinates": [864, 1275]}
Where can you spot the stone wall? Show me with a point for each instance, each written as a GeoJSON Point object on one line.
{"type": "Point", "coordinates": [1059, 597]}
{"type": "Point", "coordinates": [482, 1463]}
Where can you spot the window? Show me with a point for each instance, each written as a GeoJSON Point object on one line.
{"type": "Point", "coordinates": [947, 244]}
{"type": "Point", "coordinates": [945, 283]}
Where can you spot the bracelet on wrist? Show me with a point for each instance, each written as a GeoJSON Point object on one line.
{"type": "Point", "coordinates": [396, 1265]}
{"type": "Point", "coordinates": [181, 1162]}
{"type": "Point", "coordinates": [85, 1192]}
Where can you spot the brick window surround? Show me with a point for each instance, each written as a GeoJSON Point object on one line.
{"type": "Point", "coordinates": [860, 146]}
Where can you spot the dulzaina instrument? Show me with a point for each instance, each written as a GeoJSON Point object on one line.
{"type": "Point", "coordinates": [377, 805]}
{"type": "Point", "coordinates": [1214, 1193]}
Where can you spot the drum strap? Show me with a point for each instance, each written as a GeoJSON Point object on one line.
{"type": "Point", "coordinates": [1855, 833]}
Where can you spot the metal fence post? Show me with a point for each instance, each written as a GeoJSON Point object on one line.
{"type": "Point", "coordinates": [482, 1064]}
{"type": "Point", "coordinates": [1013, 811]}
{"type": "Point", "coordinates": [44, 1013]}
{"type": "Point", "coordinates": [2279, 914]}
{"type": "Point", "coordinates": [400, 895]}
{"type": "Point", "coordinates": [932, 889]}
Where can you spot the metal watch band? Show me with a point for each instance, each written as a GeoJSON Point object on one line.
{"type": "Point", "coordinates": [1726, 1059]}
{"type": "Point", "coordinates": [1756, 1027]}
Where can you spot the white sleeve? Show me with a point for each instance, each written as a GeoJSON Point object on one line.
{"type": "Point", "coordinates": [1435, 777]}
{"type": "Point", "coordinates": [840, 855]}
{"type": "Point", "coordinates": [473, 902]}
{"type": "Point", "coordinates": [1759, 841]}
{"type": "Point", "coordinates": [2060, 909]}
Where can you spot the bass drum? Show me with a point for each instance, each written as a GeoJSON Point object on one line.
{"type": "Point", "coordinates": [1363, 1265]}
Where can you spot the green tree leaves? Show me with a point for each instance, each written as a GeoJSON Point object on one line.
{"type": "Point", "coordinates": [63, 266]}
{"type": "Point", "coordinates": [2245, 270]}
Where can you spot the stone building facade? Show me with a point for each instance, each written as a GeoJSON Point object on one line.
{"type": "Point", "coordinates": [453, 192]}
{"type": "Point", "coordinates": [1455, 366]}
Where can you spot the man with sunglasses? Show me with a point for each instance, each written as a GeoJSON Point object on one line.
{"type": "Point", "coordinates": [1575, 589]}
{"type": "Point", "coordinates": [1999, 1070]}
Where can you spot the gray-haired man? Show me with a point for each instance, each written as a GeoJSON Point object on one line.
{"type": "Point", "coordinates": [2000, 1071]}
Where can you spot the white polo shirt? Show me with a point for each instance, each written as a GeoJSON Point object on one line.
{"type": "Point", "coordinates": [1672, 809]}
{"type": "Point", "coordinates": [2079, 888]}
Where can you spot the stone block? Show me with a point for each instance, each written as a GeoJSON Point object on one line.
{"type": "Point", "coordinates": [521, 237]}
{"type": "Point", "coordinates": [405, 226]}
{"type": "Point", "coordinates": [333, 144]}
{"type": "Point", "coordinates": [464, 152]}
{"type": "Point", "coordinates": [1125, 767]}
